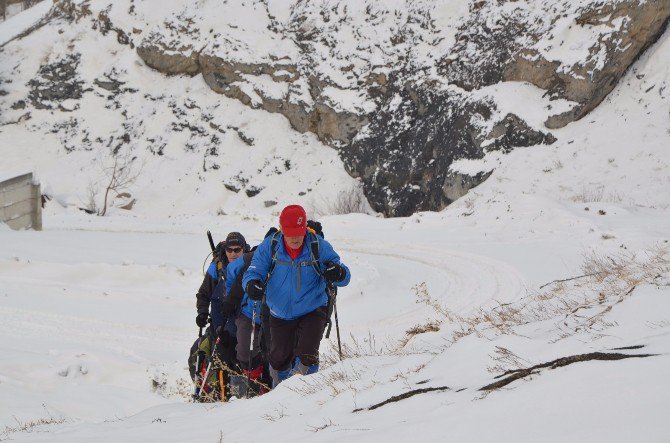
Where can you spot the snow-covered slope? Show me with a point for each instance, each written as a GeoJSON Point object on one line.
{"type": "Point", "coordinates": [402, 89]}
{"type": "Point", "coordinates": [96, 313]}
{"type": "Point", "coordinates": [93, 100]}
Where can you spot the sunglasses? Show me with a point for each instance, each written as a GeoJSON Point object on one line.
{"type": "Point", "coordinates": [234, 250]}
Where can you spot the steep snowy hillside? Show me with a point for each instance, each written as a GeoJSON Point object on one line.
{"type": "Point", "coordinates": [401, 89]}
{"type": "Point", "coordinates": [404, 88]}
{"type": "Point", "coordinates": [535, 308]}
{"type": "Point", "coordinates": [73, 100]}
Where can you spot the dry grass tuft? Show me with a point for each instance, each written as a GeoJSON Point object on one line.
{"type": "Point", "coordinates": [277, 414]}
{"type": "Point", "coordinates": [337, 380]}
{"type": "Point", "coordinates": [430, 326]}
{"type": "Point", "coordinates": [579, 303]}
{"type": "Point", "coordinates": [29, 426]}
{"type": "Point", "coordinates": [597, 194]}
{"type": "Point", "coordinates": [355, 348]}
{"type": "Point", "coordinates": [506, 360]}
{"type": "Point", "coordinates": [326, 424]}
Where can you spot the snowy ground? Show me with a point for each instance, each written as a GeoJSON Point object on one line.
{"type": "Point", "coordinates": [97, 314]}
{"type": "Point", "coordinates": [96, 325]}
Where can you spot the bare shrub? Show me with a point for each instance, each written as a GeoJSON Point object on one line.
{"type": "Point", "coordinates": [348, 201]}
{"type": "Point", "coordinates": [597, 194]}
{"type": "Point", "coordinates": [554, 167]}
{"type": "Point", "coordinates": [218, 365]}
{"type": "Point", "coordinates": [91, 203]}
{"type": "Point", "coordinates": [121, 174]}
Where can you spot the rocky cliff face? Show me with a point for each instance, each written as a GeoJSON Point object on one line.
{"type": "Point", "coordinates": [381, 84]}
{"type": "Point", "coordinates": [402, 89]}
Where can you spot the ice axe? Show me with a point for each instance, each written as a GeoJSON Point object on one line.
{"type": "Point", "coordinates": [211, 241]}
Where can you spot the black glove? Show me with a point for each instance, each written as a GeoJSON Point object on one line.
{"type": "Point", "coordinates": [334, 272]}
{"type": "Point", "coordinates": [255, 290]}
{"type": "Point", "coordinates": [201, 319]}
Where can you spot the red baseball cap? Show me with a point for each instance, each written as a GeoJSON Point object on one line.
{"type": "Point", "coordinates": [293, 221]}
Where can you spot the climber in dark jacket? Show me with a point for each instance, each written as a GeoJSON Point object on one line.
{"type": "Point", "coordinates": [213, 287]}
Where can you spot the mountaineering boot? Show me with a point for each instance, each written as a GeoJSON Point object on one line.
{"type": "Point", "coordinates": [300, 368]}
{"type": "Point", "coordinates": [279, 376]}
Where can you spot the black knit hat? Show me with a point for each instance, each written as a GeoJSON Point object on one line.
{"type": "Point", "coordinates": [235, 239]}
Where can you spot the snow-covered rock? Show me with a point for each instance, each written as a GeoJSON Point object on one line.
{"type": "Point", "coordinates": [401, 89]}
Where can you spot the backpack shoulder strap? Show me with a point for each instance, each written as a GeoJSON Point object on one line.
{"type": "Point", "coordinates": [236, 291]}
{"type": "Point", "coordinates": [314, 250]}
{"type": "Point", "coordinates": [273, 249]}
{"type": "Point", "coordinates": [246, 259]}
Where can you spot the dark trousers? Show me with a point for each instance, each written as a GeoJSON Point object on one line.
{"type": "Point", "coordinates": [296, 338]}
{"type": "Point", "coordinates": [243, 348]}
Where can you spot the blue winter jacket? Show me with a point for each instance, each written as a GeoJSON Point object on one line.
{"type": "Point", "coordinates": [247, 306]}
{"type": "Point", "coordinates": [294, 288]}
{"type": "Point", "coordinates": [216, 300]}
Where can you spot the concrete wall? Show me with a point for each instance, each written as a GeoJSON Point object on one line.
{"type": "Point", "coordinates": [21, 203]}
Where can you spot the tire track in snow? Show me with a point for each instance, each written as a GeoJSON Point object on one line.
{"type": "Point", "coordinates": [465, 282]}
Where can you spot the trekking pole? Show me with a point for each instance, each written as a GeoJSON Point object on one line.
{"type": "Point", "coordinates": [197, 365]}
{"type": "Point", "coordinates": [251, 348]}
{"type": "Point", "coordinates": [337, 329]}
{"type": "Point", "coordinates": [332, 308]}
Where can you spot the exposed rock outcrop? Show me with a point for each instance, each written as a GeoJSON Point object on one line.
{"type": "Point", "coordinates": [509, 47]}
{"type": "Point", "coordinates": [171, 61]}
{"type": "Point", "coordinates": [55, 83]}
{"type": "Point", "coordinates": [635, 26]}
{"type": "Point", "coordinates": [403, 93]}
{"type": "Point", "coordinates": [404, 157]}
{"type": "Point", "coordinates": [246, 81]}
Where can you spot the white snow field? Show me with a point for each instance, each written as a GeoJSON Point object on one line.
{"type": "Point", "coordinates": [97, 313]}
